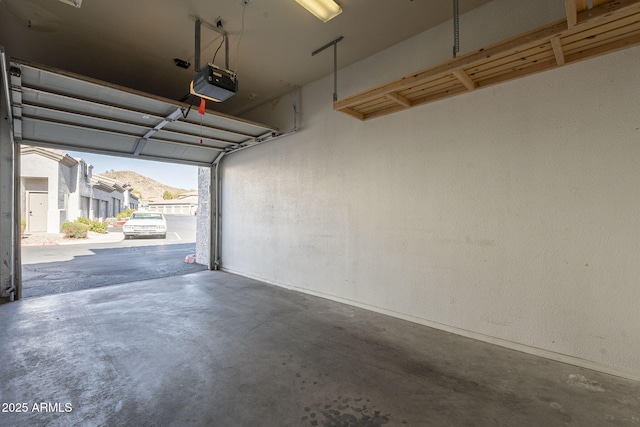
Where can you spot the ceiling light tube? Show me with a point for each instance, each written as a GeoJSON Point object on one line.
{"type": "Point", "coordinates": [74, 3]}
{"type": "Point", "coordinates": [324, 10]}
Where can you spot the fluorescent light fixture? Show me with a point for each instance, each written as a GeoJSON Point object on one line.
{"type": "Point", "coordinates": [74, 3]}
{"type": "Point", "coordinates": [324, 10]}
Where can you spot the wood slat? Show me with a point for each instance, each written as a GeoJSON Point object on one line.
{"type": "Point", "coordinates": [582, 5]}
{"type": "Point", "coordinates": [522, 71]}
{"type": "Point", "coordinates": [556, 43]}
{"type": "Point", "coordinates": [464, 79]}
{"type": "Point", "coordinates": [584, 38]}
{"type": "Point", "coordinates": [571, 8]}
{"type": "Point", "coordinates": [353, 113]}
{"type": "Point", "coordinates": [439, 96]}
{"type": "Point", "coordinates": [612, 46]}
{"type": "Point", "coordinates": [605, 8]}
{"type": "Point", "coordinates": [378, 104]}
{"type": "Point", "coordinates": [605, 38]}
{"type": "Point", "coordinates": [609, 25]}
{"type": "Point", "coordinates": [593, 28]}
{"type": "Point", "coordinates": [500, 62]}
{"type": "Point", "coordinates": [410, 94]}
{"type": "Point", "coordinates": [394, 96]}
{"type": "Point", "coordinates": [452, 85]}
{"type": "Point", "coordinates": [384, 112]}
{"type": "Point", "coordinates": [435, 85]}
{"type": "Point", "coordinates": [540, 53]}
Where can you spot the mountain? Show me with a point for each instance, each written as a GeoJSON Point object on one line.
{"type": "Point", "coordinates": [150, 189]}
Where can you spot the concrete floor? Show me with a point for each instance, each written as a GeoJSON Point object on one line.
{"type": "Point", "coordinates": [214, 349]}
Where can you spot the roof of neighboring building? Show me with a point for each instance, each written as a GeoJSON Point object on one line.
{"type": "Point", "coordinates": [190, 200]}
{"type": "Point", "coordinates": [97, 184]}
{"type": "Point", "coordinates": [188, 194]}
{"type": "Point", "coordinates": [98, 181]}
{"type": "Point", "coordinates": [50, 153]}
{"type": "Point", "coordinates": [118, 185]}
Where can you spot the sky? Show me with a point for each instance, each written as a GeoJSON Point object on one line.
{"type": "Point", "coordinates": [174, 175]}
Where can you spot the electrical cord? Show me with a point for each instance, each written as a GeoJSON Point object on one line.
{"type": "Point", "coordinates": [213, 61]}
{"type": "Point", "coordinates": [184, 115]}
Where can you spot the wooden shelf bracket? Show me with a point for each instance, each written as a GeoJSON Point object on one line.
{"type": "Point", "coordinates": [394, 96]}
{"type": "Point", "coordinates": [464, 79]}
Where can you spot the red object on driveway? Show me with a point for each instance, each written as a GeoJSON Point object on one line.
{"type": "Point", "coordinates": [121, 222]}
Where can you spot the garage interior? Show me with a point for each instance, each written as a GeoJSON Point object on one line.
{"type": "Point", "coordinates": [395, 236]}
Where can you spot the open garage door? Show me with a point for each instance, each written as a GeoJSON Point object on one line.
{"type": "Point", "coordinates": [58, 109]}
{"type": "Point", "coordinates": [53, 108]}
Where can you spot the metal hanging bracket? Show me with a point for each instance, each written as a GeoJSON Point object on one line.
{"type": "Point", "coordinates": [199, 23]}
{"type": "Point", "coordinates": [335, 63]}
{"type": "Point", "coordinates": [456, 28]}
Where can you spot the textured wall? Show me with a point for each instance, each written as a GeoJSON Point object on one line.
{"type": "Point", "coordinates": [203, 220]}
{"type": "Point", "coordinates": [509, 214]}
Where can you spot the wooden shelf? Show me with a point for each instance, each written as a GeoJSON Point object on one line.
{"type": "Point", "coordinates": [607, 27]}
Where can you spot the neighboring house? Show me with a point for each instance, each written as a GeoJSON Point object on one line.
{"type": "Point", "coordinates": [56, 188]}
{"type": "Point", "coordinates": [185, 204]}
{"type": "Point", "coordinates": [105, 187]}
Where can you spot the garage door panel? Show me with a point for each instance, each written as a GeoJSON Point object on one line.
{"type": "Point", "coordinates": [207, 138]}
{"type": "Point", "coordinates": [189, 153]}
{"type": "Point", "coordinates": [79, 137]}
{"type": "Point", "coordinates": [59, 109]}
{"type": "Point", "coordinates": [89, 89]}
{"type": "Point", "coordinates": [222, 122]}
{"type": "Point", "coordinates": [56, 101]}
{"type": "Point", "coordinates": [64, 117]}
{"type": "Point", "coordinates": [209, 132]}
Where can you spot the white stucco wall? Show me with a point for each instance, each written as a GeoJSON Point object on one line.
{"type": "Point", "coordinates": [33, 165]}
{"type": "Point", "coordinates": [68, 198]}
{"type": "Point", "coordinates": [509, 214]}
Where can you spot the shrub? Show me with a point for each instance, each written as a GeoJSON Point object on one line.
{"type": "Point", "coordinates": [98, 227]}
{"type": "Point", "coordinates": [86, 221]}
{"type": "Point", "coordinates": [74, 230]}
{"type": "Point", "coordinates": [125, 213]}
{"type": "Point", "coordinates": [168, 195]}
{"type": "Point", "coordinates": [93, 225]}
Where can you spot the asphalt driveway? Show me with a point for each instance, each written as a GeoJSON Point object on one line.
{"type": "Point", "coordinates": [54, 265]}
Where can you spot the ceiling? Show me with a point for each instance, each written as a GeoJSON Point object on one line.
{"type": "Point", "coordinates": [134, 43]}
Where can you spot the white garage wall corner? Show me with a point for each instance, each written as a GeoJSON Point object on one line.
{"type": "Point", "coordinates": [509, 214]}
